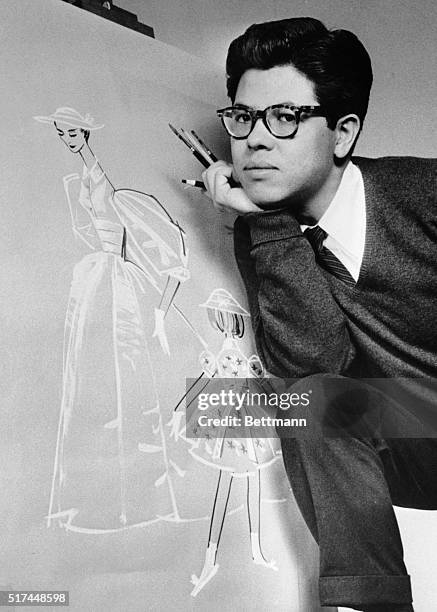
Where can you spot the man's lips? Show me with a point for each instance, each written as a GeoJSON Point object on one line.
{"type": "Point", "coordinates": [259, 171]}
{"type": "Point", "coordinates": [259, 166]}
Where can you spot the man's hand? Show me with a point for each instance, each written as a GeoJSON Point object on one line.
{"type": "Point", "coordinates": [218, 188]}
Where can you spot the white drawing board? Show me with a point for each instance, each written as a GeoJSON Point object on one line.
{"type": "Point", "coordinates": [99, 498]}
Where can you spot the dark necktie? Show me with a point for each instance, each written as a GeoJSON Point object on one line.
{"type": "Point", "coordinates": [325, 258]}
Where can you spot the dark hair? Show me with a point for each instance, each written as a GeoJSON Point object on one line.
{"type": "Point", "coordinates": [86, 133]}
{"type": "Point", "coordinates": [335, 61]}
{"type": "Point", "coordinates": [224, 321]}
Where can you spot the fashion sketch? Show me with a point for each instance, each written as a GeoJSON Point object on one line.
{"type": "Point", "coordinates": [231, 456]}
{"type": "Point", "coordinates": [110, 424]}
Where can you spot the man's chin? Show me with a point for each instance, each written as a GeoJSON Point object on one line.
{"type": "Point", "coordinates": [266, 198]}
{"type": "Point", "coordinates": [271, 203]}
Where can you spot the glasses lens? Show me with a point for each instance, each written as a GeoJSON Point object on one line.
{"type": "Point", "coordinates": [238, 122]}
{"type": "Point", "coordinates": [281, 121]}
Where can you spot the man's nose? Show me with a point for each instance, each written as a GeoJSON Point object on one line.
{"type": "Point", "coordinates": [260, 136]}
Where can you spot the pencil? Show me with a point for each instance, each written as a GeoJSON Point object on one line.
{"type": "Point", "coordinates": [193, 183]}
{"type": "Point", "coordinates": [196, 154]}
{"type": "Point", "coordinates": [197, 146]}
{"type": "Point", "coordinates": [210, 153]}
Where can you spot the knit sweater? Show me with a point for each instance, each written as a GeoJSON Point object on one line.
{"type": "Point", "coordinates": [307, 321]}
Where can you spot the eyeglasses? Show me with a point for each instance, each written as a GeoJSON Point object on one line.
{"type": "Point", "coordinates": [281, 120]}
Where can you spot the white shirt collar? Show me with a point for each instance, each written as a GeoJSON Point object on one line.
{"type": "Point", "coordinates": [345, 219]}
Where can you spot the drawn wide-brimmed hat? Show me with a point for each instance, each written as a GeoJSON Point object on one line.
{"type": "Point", "coordinates": [72, 117]}
{"type": "Point", "coordinates": [220, 299]}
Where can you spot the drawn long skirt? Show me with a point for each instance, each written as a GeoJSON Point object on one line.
{"type": "Point", "coordinates": [111, 469]}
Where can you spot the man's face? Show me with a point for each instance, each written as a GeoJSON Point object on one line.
{"type": "Point", "coordinates": [282, 172]}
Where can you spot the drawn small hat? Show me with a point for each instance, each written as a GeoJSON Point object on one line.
{"type": "Point", "coordinates": [70, 116]}
{"type": "Point", "coordinates": [221, 299]}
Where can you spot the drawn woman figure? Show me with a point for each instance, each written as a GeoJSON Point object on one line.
{"type": "Point", "coordinates": [234, 457]}
{"type": "Point", "coordinates": [111, 466]}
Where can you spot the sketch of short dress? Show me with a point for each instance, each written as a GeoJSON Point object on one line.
{"type": "Point", "coordinates": [110, 422]}
{"type": "Point", "coordinates": [231, 454]}
{"type": "Point", "coordinates": [215, 448]}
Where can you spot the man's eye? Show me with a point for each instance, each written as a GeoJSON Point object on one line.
{"type": "Point", "coordinates": [242, 117]}
{"type": "Point", "coordinates": [285, 117]}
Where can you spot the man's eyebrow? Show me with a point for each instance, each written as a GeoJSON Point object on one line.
{"type": "Point", "coordinates": [72, 130]}
{"type": "Point", "coordinates": [282, 103]}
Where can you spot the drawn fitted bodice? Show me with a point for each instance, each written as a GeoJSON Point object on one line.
{"type": "Point", "coordinates": [130, 224]}
{"type": "Point", "coordinates": [110, 234]}
{"type": "Point", "coordinates": [96, 196]}
{"type": "Point", "coordinates": [231, 362]}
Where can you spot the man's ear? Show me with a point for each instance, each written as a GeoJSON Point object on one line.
{"type": "Point", "coordinates": [346, 133]}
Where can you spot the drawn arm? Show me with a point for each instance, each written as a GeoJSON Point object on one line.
{"type": "Point", "coordinates": [209, 369]}
{"type": "Point", "coordinates": [171, 288]}
{"type": "Point", "coordinates": [175, 277]}
{"type": "Point", "coordinates": [155, 244]}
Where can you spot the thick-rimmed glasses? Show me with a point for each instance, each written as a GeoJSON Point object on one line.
{"type": "Point", "coordinates": [281, 120]}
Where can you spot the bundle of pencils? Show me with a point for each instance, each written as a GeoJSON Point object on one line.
{"type": "Point", "coordinates": [197, 147]}
{"type": "Point", "coordinates": [200, 151]}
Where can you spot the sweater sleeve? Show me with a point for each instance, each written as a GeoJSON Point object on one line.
{"type": "Point", "coordinates": [299, 328]}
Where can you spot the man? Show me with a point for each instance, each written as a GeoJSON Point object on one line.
{"type": "Point", "coordinates": [339, 260]}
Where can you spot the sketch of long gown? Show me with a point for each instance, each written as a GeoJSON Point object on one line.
{"type": "Point", "coordinates": [111, 467]}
